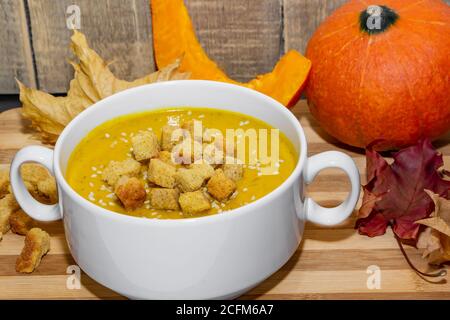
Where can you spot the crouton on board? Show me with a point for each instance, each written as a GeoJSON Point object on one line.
{"type": "Point", "coordinates": [37, 244]}
{"type": "Point", "coordinates": [4, 182]}
{"type": "Point", "coordinates": [131, 192]}
{"type": "Point", "coordinates": [117, 169]}
{"type": "Point", "coordinates": [39, 182]}
{"type": "Point", "coordinates": [161, 173]}
{"type": "Point", "coordinates": [8, 205]}
{"type": "Point", "coordinates": [20, 222]}
{"type": "Point", "coordinates": [220, 187]}
{"type": "Point", "coordinates": [194, 202]}
{"type": "Point", "coordinates": [145, 145]}
{"type": "Point", "coordinates": [166, 199]}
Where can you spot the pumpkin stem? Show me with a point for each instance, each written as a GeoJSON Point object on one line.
{"type": "Point", "coordinates": [377, 19]}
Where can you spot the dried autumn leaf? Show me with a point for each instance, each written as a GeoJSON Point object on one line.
{"type": "Point", "coordinates": [435, 240]}
{"type": "Point", "coordinates": [394, 194]}
{"type": "Point", "coordinates": [92, 82]}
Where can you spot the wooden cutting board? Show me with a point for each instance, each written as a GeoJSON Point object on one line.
{"type": "Point", "coordinates": [331, 263]}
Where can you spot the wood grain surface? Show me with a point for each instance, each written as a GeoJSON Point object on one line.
{"type": "Point", "coordinates": [16, 60]}
{"type": "Point", "coordinates": [301, 19]}
{"type": "Point", "coordinates": [119, 30]}
{"type": "Point", "coordinates": [330, 263]}
{"type": "Point", "coordinates": [242, 36]}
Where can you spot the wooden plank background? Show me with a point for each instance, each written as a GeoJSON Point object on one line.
{"type": "Point", "coordinates": [245, 37]}
{"type": "Point", "coordinates": [15, 50]}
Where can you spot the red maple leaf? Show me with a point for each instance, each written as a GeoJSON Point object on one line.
{"type": "Point", "coordinates": [394, 194]}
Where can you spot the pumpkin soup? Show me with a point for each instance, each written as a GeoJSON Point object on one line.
{"type": "Point", "coordinates": [180, 162]}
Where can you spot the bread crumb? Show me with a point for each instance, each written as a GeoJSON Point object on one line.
{"type": "Point", "coordinates": [37, 244]}
{"type": "Point", "coordinates": [131, 192]}
{"type": "Point", "coordinates": [8, 205]}
{"type": "Point", "coordinates": [20, 222]}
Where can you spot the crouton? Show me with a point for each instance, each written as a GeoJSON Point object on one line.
{"type": "Point", "coordinates": [195, 129]}
{"type": "Point", "coordinates": [7, 206]}
{"type": "Point", "coordinates": [188, 151]}
{"type": "Point", "coordinates": [189, 179]}
{"type": "Point", "coordinates": [4, 182]}
{"type": "Point", "coordinates": [167, 143]}
{"type": "Point", "coordinates": [233, 171]}
{"type": "Point", "coordinates": [194, 202]}
{"type": "Point", "coordinates": [117, 169]}
{"type": "Point", "coordinates": [39, 182]}
{"type": "Point", "coordinates": [166, 156]}
{"type": "Point", "coordinates": [145, 145]}
{"type": "Point", "coordinates": [166, 199]}
{"type": "Point", "coordinates": [212, 155]}
{"type": "Point", "coordinates": [161, 173]}
{"type": "Point", "coordinates": [205, 169]}
{"type": "Point", "coordinates": [220, 187]}
{"type": "Point", "coordinates": [131, 192]}
{"type": "Point", "coordinates": [37, 244]}
{"type": "Point", "coordinates": [20, 222]}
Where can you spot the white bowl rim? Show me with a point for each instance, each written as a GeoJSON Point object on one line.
{"type": "Point", "coordinates": [229, 214]}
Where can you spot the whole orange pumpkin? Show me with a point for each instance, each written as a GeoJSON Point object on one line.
{"type": "Point", "coordinates": [381, 72]}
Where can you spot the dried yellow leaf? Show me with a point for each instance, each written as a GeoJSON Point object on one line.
{"type": "Point", "coordinates": [92, 82]}
{"type": "Point", "coordinates": [435, 240]}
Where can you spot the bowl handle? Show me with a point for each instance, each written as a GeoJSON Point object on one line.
{"type": "Point", "coordinates": [32, 207]}
{"type": "Point", "coordinates": [331, 159]}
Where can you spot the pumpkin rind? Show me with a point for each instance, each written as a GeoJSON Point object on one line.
{"type": "Point", "coordinates": [392, 85]}
{"type": "Point", "coordinates": [174, 37]}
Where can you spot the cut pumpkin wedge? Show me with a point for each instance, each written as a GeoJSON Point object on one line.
{"type": "Point", "coordinates": [174, 37]}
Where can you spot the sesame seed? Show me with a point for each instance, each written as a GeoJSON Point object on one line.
{"type": "Point", "coordinates": [107, 135]}
{"type": "Point", "coordinates": [253, 198]}
{"type": "Point", "coordinates": [94, 169]}
{"type": "Point", "coordinates": [124, 140]}
{"type": "Point", "coordinates": [201, 116]}
{"type": "Point", "coordinates": [123, 134]}
{"type": "Point", "coordinates": [111, 203]}
{"type": "Point", "coordinates": [245, 189]}
{"type": "Point", "coordinates": [91, 196]}
{"type": "Point", "coordinates": [94, 176]}
{"type": "Point", "coordinates": [91, 184]}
